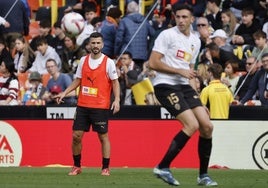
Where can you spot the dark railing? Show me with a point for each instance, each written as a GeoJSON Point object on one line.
{"type": "Point", "coordinates": [130, 112]}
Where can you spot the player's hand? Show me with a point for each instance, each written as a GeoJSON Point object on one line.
{"type": "Point", "coordinates": [115, 106]}
{"type": "Point", "coordinates": [190, 74]}
{"type": "Point", "coordinates": [59, 98]}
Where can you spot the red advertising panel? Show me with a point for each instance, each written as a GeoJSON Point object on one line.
{"type": "Point", "coordinates": [134, 143]}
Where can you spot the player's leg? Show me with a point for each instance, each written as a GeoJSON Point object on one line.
{"type": "Point", "coordinates": [100, 125]}
{"type": "Point", "coordinates": [76, 149]}
{"type": "Point", "coordinates": [190, 126]}
{"type": "Point", "coordinates": [106, 149]}
{"type": "Point", "coordinates": [172, 98]}
{"type": "Point", "coordinates": [204, 145]}
{"type": "Point", "coordinates": [80, 125]}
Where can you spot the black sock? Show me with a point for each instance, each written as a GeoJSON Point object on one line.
{"type": "Point", "coordinates": [204, 151]}
{"type": "Point", "coordinates": [175, 147]}
{"type": "Point", "coordinates": [105, 163]}
{"type": "Point", "coordinates": [77, 160]}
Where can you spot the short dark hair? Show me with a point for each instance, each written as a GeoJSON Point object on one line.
{"type": "Point", "coordinates": [89, 6]}
{"type": "Point", "coordinates": [95, 35]}
{"type": "Point", "coordinates": [179, 6]}
{"type": "Point", "coordinates": [53, 60]}
{"type": "Point", "coordinates": [213, 46]}
{"type": "Point", "coordinates": [248, 10]}
{"type": "Point", "coordinates": [264, 55]}
{"type": "Point", "coordinates": [41, 40]}
{"type": "Point", "coordinates": [128, 53]}
{"type": "Point", "coordinates": [114, 12]}
{"type": "Point", "coordinates": [216, 70]}
{"type": "Point", "coordinates": [234, 64]}
{"type": "Point", "coordinates": [45, 23]}
{"type": "Point", "coordinates": [259, 34]}
{"type": "Point", "coordinates": [217, 2]}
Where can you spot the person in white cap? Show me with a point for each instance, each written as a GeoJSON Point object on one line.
{"type": "Point", "coordinates": [219, 37]}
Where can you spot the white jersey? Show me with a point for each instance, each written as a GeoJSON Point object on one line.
{"type": "Point", "coordinates": [179, 52]}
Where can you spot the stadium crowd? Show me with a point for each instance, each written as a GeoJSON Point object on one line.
{"type": "Point", "coordinates": [233, 33]}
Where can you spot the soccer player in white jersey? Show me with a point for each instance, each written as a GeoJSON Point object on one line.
{"type": "Point", "coordinates": [173, 57]}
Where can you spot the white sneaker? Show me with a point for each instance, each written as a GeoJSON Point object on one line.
{"type": "Point", "coordinates": [165, 175]}
{"type": "Point", "coordinates": [206, 181]}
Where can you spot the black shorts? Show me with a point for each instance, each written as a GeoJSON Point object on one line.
{"type": "Point", "coordinates": [177, 98]}
{"type": "Point", "coordinates": [85, 117]}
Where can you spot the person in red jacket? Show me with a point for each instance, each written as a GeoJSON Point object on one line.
{"type": "Point", "coordinates": [96, 76]}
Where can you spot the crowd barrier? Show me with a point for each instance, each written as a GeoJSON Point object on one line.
{"type": "Point", "coordinates": [140, 135]}
{"type": "Point", "coordinates": [126, 112]}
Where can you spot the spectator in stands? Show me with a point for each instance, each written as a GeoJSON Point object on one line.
{"type": "Point", "coordinates": [204, 31]}
{"type": "Point", "coordinates": [127, 64]}
{"type": "Point", "coordinates": [9, 84]}
{"type": "Point", "coordinates": [231, 77]}
{"type": "Point", "coordinates": [236, 6]}
{"type": "Point", "coordinates": [214, 14]}
{"type": "Point", "coordinates": [4, 51]}
{"type": "Point", "coordinates": [18, 20]}
{"type": "Point", "coordinates": [202, 71]}
{"type": "Point", "coordinates": [80, 5]}
{"type": "Point", "coordinates": [216, 55]}
{"type": "Point", "coordinates": [90, 13]}
{"type": "Point", "coordinates": [34, 93]}
{"type": "Point", "coordinates": [44, 31]}
{"type": "Point", "coordinates": [96, 22]}
{"type": "Point", "coordinates": [249, 25]}
{"type": "Point", "coordinates": [146, 72]}
{"type": "Point", "coordinates": [127, 27]}
{"type": "Point", "coordinates": [71, 55]}
{"type": "Point", "coordinates": [57, 84]}
{"type": "Point", "coordinates": [108, 30]}
{"type": "Point", "coordinates": [216, 96]}
{"type": "Point", "coordinates": [199, 84]}
{"type": "Point", "coordinates": [160, 21]}
{"type": "Point", "coordinates": [262, 11]}
{"type": "Point", "coordinates": [24, 55]}
{"type": "Point", "coordinates": [59, 38]}
{"type": "Point", "coordinates": [229, 23]}
{"type": "Point", "coordinates": [261, 46]}
{"type": "Point", "coordinates": [244, 80]}
{"type": "Point", "coordinates": [259, 84]}
{"type": "Point", "coordinates": [44, 52]}
{"type": "Point", "coordinates": [219, 37]}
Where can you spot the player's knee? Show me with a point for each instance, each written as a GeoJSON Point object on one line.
{"type": "Point", "coordinates": [103, 137]}
{"type": "Point", "coordinates": [191, 128]}
{"type": "Point", "coordinates": [77, 138]}
{"type": "Point", "coordinates": [206, 131]}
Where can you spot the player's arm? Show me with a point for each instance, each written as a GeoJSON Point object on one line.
{"type": "Point", "coordinates": [69, 89]}
{"type": "Point", "coordinates": [116, 91]}
{"type": "Point", "coordinates": [156, 64]}
{"type": "Point", "coordinates": [192, 81]}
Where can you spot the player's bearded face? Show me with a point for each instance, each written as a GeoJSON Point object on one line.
{"type": "Point", "coordinates": [95, 50]}
{"type": "Point", "coordinates": [96, 45]}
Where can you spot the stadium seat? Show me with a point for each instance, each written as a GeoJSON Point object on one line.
{"type": "Point", "coordinates": [45, 78]}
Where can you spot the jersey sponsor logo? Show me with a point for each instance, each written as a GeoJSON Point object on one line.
{"type": "Point", "coordinates": [10, 146]}
{"type": "Point", "coordinates": [260, 151]}
{"type": "Point", "coordinates": [90, 91]}
{"type": "Point", "coordinates": [184, 55]}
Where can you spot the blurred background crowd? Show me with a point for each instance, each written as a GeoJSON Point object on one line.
{"type": "Point", "coordinates": [38, 59]}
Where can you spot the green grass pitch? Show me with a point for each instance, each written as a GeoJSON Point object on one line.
{"type": "Point", "coordinates": [50, 177]}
